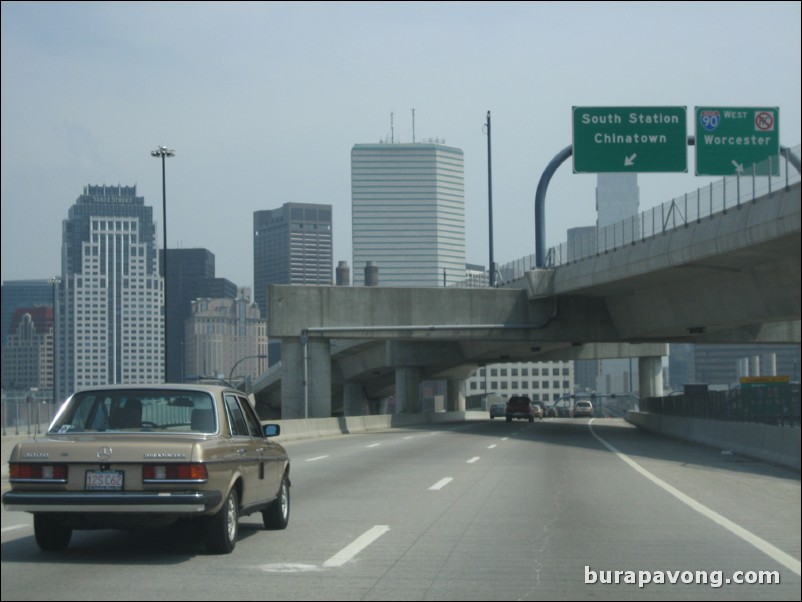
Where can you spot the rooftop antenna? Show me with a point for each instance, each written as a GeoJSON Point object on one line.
{"type": "Point", "coordinates": [392, 135]}
{"type": "Point", "coordinates": [413, 126]}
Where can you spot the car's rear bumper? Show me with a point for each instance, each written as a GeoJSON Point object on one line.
{"type": "Point", "coordinates": [185, 502]}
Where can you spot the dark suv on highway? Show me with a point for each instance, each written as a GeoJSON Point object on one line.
{"type": "Point", "coordinates": [520, 406]}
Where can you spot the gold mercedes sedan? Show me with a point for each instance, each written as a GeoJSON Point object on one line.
{"type": "Point", "coordinates": [151, 455]}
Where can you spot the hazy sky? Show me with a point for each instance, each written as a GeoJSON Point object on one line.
{"type": "Point", "coordinates": [263, 102]}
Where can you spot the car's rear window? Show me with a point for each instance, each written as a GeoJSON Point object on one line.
{"type": "Point", "coordinates": [138, 410]}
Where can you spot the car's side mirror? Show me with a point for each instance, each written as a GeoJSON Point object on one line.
{"type": "Point", "coordinates": [271, 430]}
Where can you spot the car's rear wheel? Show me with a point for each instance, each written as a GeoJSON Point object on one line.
{"type": "Point", "coordinates": [277, 515]}
{"type": "Point", "coordinates": [223, 527]}
{"type": "Point", "coordinates": [51, 534]}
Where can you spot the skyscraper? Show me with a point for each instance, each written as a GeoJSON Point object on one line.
{"type": "Point", "coordinates": [408, 212]}
{"type": "Point", "coordinates": [223, 334]}
{"type": "Point", "coordinates": [28, 349]}
{"type": "Point", "coordinates": [23, 293]}
{"type": "Point", "coordinates": [187, 270]}
{"type": "Point", "coordinates": [109, 313]}
{"type": "Point", "coordinates": [617, 197]}
{"type": "Point", "coordinates": [291, 245]}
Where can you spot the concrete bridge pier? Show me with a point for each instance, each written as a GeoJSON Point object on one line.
{"type": "Point", "coordinates": [407, 389]}
{"type": "Point", "coordinates": [456, 396]}
{"type": "Point", "coordinates": [650, 376]}
{"type": "Point", "coordinates": [305, 377]}
{"type": "Point", "coordinates": [355, 402]}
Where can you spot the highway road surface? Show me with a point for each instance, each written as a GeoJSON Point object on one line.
{"type": "Point", "coordinates": [559, 509]}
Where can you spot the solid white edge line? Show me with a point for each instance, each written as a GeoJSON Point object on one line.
{"type": "Point", "coordinates": [441, 483]}
{"type": "Point", "coordinates": [761, 544]}
{"type": "Point", "coordinates": [356, 546]}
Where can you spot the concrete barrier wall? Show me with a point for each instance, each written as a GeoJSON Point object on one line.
{"type": "Point", "coordinates": [775, 444]}
{"type": "Point", "coordinates": [312, 428]}
{"type": "Point", "coordinates": [331, 427]}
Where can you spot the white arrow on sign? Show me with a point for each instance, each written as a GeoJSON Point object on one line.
{"type": "Point", "coordinates": [739, 168]}
{"type": "Point", "coordinates": [630, 160]}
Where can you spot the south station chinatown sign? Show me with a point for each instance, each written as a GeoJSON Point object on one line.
{"type": "Point", "coordinates": [630, 139]}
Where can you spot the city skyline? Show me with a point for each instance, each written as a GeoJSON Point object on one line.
{"type": "Point", "coordinates": [263, 102]}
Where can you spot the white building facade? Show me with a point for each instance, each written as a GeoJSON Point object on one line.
{"type": "Point", "coordinates": [110, 304]}
{"type": "Point", "coordinates": [541, 381]}
{"type": "Point", "coordinates": [408, 212]}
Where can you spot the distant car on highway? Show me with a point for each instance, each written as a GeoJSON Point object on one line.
{"type": "Point", "coordinates": [497, 410]}
{"type": "Point", "coordinates": [538, 411]}
{"type": "Point", "coordinates": [582, 408]}
{"type": "Point", "coordinates": [519, 406]}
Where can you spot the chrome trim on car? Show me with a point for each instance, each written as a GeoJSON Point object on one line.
{"type": "Point", "coordinates": [195, 502]}
{"type": "Point", "coordinates": [175, 481]}
{"type": "Point", "coordinates": [164, 456]}
{"type": "Point", "coordinates": [177, 508]}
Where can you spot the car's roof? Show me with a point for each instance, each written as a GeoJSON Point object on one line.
{"type": "Point", "coordinates": [215, 389]}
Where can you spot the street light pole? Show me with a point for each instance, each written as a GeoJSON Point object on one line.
{"type": "Point", "coordinates": [164, 152]}
{"type": "Point", "coordinates": [490, 206]}
{"type": "Point", "coordinates": [242, 359]}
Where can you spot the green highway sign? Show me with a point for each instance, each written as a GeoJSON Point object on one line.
{"type": "Point", "coordinates": [730, 140]}
{"type": "Point", "coordinates": [630, 139]}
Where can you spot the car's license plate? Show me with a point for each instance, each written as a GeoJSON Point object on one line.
{"type": "Point", "coordinates": [104, 480]}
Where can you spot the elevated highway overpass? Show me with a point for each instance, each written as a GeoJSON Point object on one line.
{"type": "Point", "coordinates": [733, 277]}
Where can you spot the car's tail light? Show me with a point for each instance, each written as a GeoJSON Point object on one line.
{"type": "Point", "coordinates": [54, 473]}
{"type": "Point", "coordinates": [164, 473]}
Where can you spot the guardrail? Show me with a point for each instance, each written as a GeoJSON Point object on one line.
{"type": "Point", "coordinates": [729, 406]}
{"type": "Point", "coordinates": [26, 418]}
{"type": "Point", "coordinates": [703, 203]}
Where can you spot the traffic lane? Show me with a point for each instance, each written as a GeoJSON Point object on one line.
{"type": "Point", "coordinates": [558, 524]}
{"type": "Point", "coordinates": [699, 534]}
{"type": "Point", "coordinates": [425, 522]}
{"type": "Point", "coordinates": [358, 482]}
{"type": "Point", "coordinates": [84, 566]}
{"type": "Point", "coordinates": [568, 450]}
{"type": "Point", "coordinates": [763, 498]}
{"type": "Point", "coordinates": [598, 514]}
